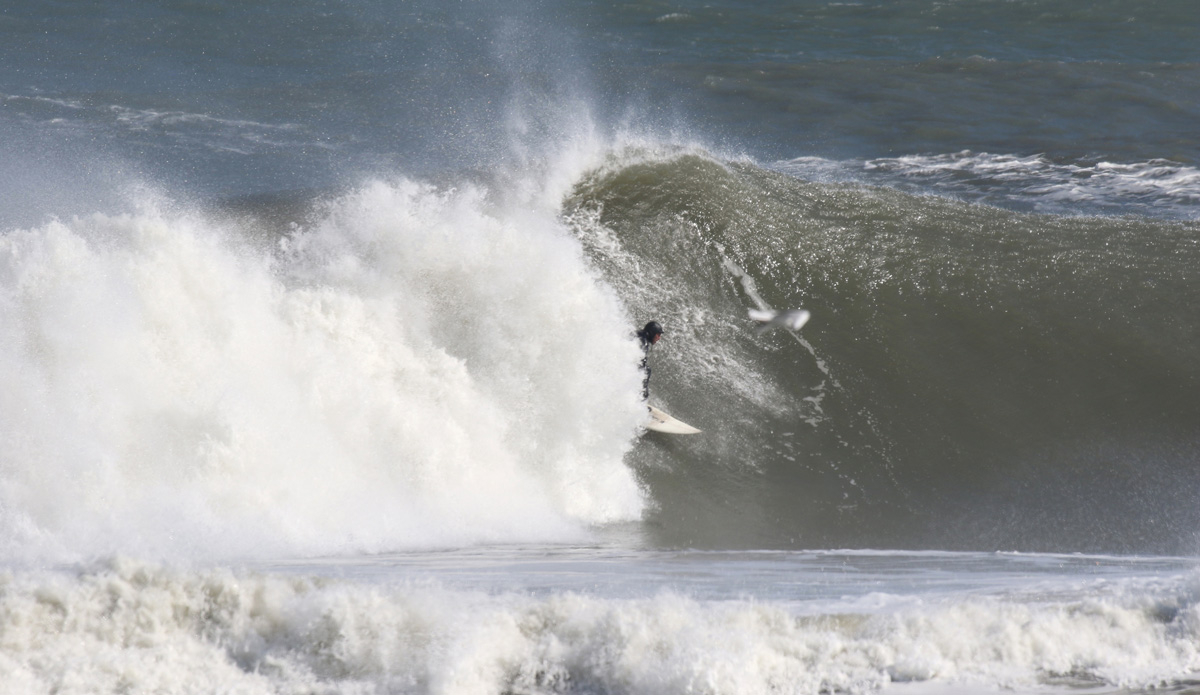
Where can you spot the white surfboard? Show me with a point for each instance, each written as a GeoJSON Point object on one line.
{"type": "Point", "coordinates": [661, 422]}
{"type": "Point", "coordinates": [791, 319]}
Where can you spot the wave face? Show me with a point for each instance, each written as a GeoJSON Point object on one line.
{"type": "Point", "coordinates": [389, 374]}
{"type": "Point", "coordinates": [971, 377]}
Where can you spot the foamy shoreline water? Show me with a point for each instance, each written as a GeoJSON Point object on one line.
{"type": "Point", "coordinates": [539, 620]}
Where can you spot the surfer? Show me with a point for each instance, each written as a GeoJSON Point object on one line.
{"type": "Point", "coordinates": [648, 336]}
{"type": "Point", "coordinates": [659, 421]}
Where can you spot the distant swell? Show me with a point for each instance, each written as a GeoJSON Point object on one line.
{"type": "Point", "coordinates": [1035, 183]}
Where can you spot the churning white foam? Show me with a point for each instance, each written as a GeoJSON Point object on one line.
{"type": "Point", "coordinates": [418, 367]}
{"type": "Point", "coordinates": [135, 628]}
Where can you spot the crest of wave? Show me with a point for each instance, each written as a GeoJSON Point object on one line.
{"type": "Point", "coordinates": [418, 367]}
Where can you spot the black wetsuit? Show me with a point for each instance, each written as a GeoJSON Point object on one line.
{"type": "Point", "coordinates": [647, 341]}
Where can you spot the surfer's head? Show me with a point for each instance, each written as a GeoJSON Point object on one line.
{"type": "Point", "coordinates": [652, 331]}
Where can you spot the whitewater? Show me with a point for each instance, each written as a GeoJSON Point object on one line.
{"type": "Point", "coordinates": [318, 371]}
{"type": "Point", "coordinates": [174, 385]}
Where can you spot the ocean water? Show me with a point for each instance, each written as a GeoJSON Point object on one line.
{"type": "Point", "coordinates": [318, 375]}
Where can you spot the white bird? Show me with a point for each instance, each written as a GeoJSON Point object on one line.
{"type": "Point", "coordinates": [791, 319]}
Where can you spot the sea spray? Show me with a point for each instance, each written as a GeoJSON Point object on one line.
{"type": "Point", "coordinates": [409, 367]}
